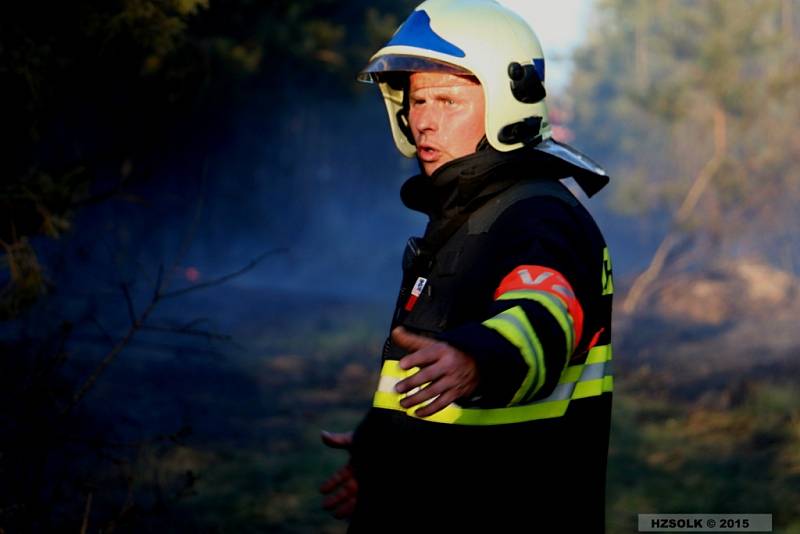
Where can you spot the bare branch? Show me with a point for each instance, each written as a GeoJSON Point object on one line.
{"type": "Point", "coordinates": [159, 281]}
{"type": "Point", "coordinates": [102, 329]}
{"type": "Point", "coordinates": [194, 322]}
{"type": "Point", "coordinates": [129, 302]}
{"type": "Point", "coordinates": [86, 511]}
{"type": "Point", "coordinates": [106, 361]}
{"type": "Point", "coordinates": [188, 332]}
{"type": "Point", "coordinates": [687, 207]}
{"type": "Point", "coordinates": [139, 323]}
{"type": "Point", "coordinates": [225, 278]}
{"type": "Point", "coordinates": [186, 242]}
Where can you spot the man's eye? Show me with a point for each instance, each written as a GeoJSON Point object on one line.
{"type": "Point", "coordinates": [450, 101]}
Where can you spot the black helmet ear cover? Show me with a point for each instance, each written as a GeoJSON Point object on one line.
{"type": "Point", "coordinates": [525, 83]}
{"type": "Point", "coordinates": [396, 80]}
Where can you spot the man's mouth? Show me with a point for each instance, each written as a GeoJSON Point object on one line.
{"type": "Point", "coordinates": [427, 153]}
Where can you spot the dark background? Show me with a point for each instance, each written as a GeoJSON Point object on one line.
{"type": "Point", "coordinates": [201, 233]}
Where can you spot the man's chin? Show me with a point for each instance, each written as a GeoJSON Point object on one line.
{"type": "Point", "coordinates": [429, 167]}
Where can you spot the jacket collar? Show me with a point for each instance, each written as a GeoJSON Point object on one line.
{"type": "Point", "coordinates": [464, 184]}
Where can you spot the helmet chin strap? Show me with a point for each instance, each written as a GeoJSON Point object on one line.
{"type": "Point", "coordinates": [483, 144]}
{"type": "Point", "coordinates": [402, 123]}
{"type": "Point", "coordinates": [525, 131]}
{"type": "Point", "coordinates": [402, 114]}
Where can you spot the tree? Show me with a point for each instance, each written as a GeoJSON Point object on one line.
{"type": "Point", "coordinates": [694, 105]}
{"type": "Point", "coordinates": [100, 94]}
{"type": "Point", "coordinates": [102, 97]}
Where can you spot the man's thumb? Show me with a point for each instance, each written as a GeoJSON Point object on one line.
{"type": "Point", "coordinates": [408, 341]}
{"type": "Point", "coordinates": [337, 440]}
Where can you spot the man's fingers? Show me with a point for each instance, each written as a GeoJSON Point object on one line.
{"type": "Point", "coordinates": [424, 356]}
{"type": "Point", "coordinates": [342, 504]}
{"type": "Point", "coordinates": [410, 342]}
{"type": "Point", "coordinates": [348, 490]}
{"type": "Point", "coordinates": [441, 402]}
{"type": "Point", "coordinates": [423, 376]}
{"type": "Point", "coordinates": [346, 509]}
{"type": "Point", "coordinates": [340, 476]}
{"type": "Point", "coordinates": [337, 440]}
{"type": "Point", "coordinates": [424, 394]}
{"type": "Point", "coordinates": [427, 392]}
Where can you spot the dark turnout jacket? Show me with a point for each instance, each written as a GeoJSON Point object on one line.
{"type": "Point", "coordinates": [513, 271]}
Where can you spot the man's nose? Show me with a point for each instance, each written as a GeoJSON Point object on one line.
{"type": "Point", "coordinates": [425, 119]}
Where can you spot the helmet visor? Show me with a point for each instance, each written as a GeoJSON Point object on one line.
{"type": "Point", "coordinates": [377, 69]}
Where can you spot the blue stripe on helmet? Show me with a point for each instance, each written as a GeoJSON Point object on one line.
{"type": "Point", "coordinates": [417, 32]}
{"type": "Point", "coordinates": [538, 64]}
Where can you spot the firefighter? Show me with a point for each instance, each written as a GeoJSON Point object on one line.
{"type": "Point", "coordinates": [493, 403]}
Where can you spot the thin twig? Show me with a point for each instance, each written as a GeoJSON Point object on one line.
{"type": "Point", "coordinates": [159, 281]}
{"type": "Point", "coordinates": [139, 322]}
{"type": "Point", "coordinates": [222, 279]}
{"type": "Point", "coordinates": [88, 509]}
{"type": "Point", "coordinates": [193, 322]}
{"type": "Point", "coordinates": [188, 332]}
{"type": "Point", "coordinates": [129, 302]}
{"type": "Point", "coordinates": [102, 330]}
{"type": "Point", "coordinates": [164, 281]}
{"type": "Point", "coordinates": [106, 361]}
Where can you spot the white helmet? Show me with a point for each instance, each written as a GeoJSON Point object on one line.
{"type": "Point", "coordinates": [483, 39]}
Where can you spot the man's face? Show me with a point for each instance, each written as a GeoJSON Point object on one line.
{"type": "Point", "coordinates": [446, 116]}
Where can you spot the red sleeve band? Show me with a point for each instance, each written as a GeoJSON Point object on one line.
{"type": "Point", "coordinates": [538, 278]}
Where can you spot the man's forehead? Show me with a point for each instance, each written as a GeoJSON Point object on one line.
{"type": "Point", "coordinates": [428, 80]}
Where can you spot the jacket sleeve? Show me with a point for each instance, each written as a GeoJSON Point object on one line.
{"type": "Point", "coordinates": [535, 320]}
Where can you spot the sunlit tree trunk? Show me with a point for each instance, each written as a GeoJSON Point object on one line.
{"type": "Point", "coordinates": [687, 208]}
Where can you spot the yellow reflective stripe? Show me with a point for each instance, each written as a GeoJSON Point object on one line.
{"type": "Point", "coordinates": [554, 305]}
{"type": "Point", "coordinates": [552, 406]}
{"type": "Point", "coordinates": [384, 399]}
{"type": "Point", "coordinates": [608, 384]}
{"type": "Point", "coordinates": [395, 371]}
{"type": "Point", "coordinates": [571, 374]}
{"type": "Point", "coordinates": [513, 325]}
{"type": "Point", "coordinates": [600, 353]}
{"type": "Point", "coordinates": [593, 388]}
{"type": "Point", "coordinates": [455, 414]}
{"type": "Point", "coordinates": [515, 414]}
{"type": "Point", "coordinates": [607, 279]}
{"type": "Point", "coordinates": [588, 388]}
{"type": "Point", "coordinates": [392, 373]}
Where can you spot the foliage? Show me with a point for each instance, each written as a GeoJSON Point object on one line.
{"type": "Point", "coordinates": [694, 106]}
{"type": "Point", "coordinates": [100, 95]}
{"type": "Point", "coordinates": [102, 99]}
{"type": "Point", "coordinates": [670, 456]}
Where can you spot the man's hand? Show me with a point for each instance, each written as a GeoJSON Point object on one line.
{"type": "Point", "coordinates": [341, 489]}
{"type": "Point", "coordinates": [452, 374]}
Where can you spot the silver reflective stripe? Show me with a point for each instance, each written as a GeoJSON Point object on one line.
{"type": "Point", "coordinates": [387, 383]}
{"type": "Point", "coordinates": [578, 381]}
{"type": "Point", "coordinates": [528, 341]}
{"type": "Point", "coordinates": [592, 371]}
{"type": "Point", "coordinates": [526, 277]}
{"type": "Point", "coordinates": [542, 277]}
{"type": "Point", "coordinates": [564, 291]}
{"type": "Point", "coordinates": [560, 392]}
{"type": "Point", "coordinates": [569, 154]}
